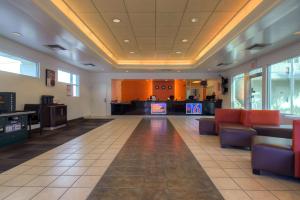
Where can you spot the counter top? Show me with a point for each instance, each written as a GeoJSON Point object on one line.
{"type": "Point", "coordinates": [16, 113]}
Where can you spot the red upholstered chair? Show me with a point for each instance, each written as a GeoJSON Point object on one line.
{"type": "Point", "coordinates": [264, 117]}
{"type": "Point", "coordinates": [296, 146]}
{"type": "Point", "coordinates": [232, 116]}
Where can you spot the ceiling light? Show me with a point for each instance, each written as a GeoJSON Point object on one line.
{"type": "Point", "coordinates": [184, 40]}
{"type": "Point", "coordinates": [116, 20]}
{"type": "Point", "coordinates": [194, 20]}
{"type": "Point", "coordinates": [178, 52]}
{"type": "Point", "coordinates": [178, 71]}
{"type": "Point", "coordinates": [126, 41]}
{"type": "Point", "coordinates": [126, 71]}
{"type": "Point", "coordinates": [132, 52]}
{"type": "Point", "coordinates": [16, 34]}
{"type": "Point", "coordinates": [297, 33]}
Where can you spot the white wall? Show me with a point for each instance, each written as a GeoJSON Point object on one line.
{"type": "Point", "coordinates": [29, 90]}
{"type": "Point", "coordinates": [101, 86]}
{"type": "Point", "coordinates": [264, 61]}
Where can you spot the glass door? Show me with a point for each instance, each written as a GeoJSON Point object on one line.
{"type": "Point", "coordinates": [256, 97]}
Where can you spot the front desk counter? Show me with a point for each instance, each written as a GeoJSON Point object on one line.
{"type": "Point", "coordinates": [173, 107]}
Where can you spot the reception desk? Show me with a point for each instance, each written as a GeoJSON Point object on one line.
{"type": "Point", "coordinates": [172, 107]}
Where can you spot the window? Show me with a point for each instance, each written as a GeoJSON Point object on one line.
{"type": "Point", "coordinates": [284, 86]}
{"type": "Point", "coordinates": [238, 97]}
{"type": "Point", "coordinates": [9, 63]}
{"type": "Point", "coordinates": [71, 79]}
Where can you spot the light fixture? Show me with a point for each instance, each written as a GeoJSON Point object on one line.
{"type": "Point", "coordinates": [126, 41]}
{"type": "Point", "coordinates": [116, 20]}
{"type": "Point", "coordinates": [16, 34]}
{"type": "Point", "coordinates": [184, 40]}
{"type": "Point", "coordinates": [131, 52]}
{"type": "Point", "coordinates": [178, 71]}
{"type": "Point", "coordinates": [178, 52]}
{"type": "Point", "coordinates": [195, 81]}
{"type": "Point", "coordinates": [126, 71]}
{"type": "Point", "coordinates": [194, 20]}
{"type": "Point", "coordinates": [297, 33]}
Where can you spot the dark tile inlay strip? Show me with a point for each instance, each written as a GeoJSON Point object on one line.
{"type": "Point", "coordinates": [14, 155]}
{"type": "Point", "coordinates": [155, 163]}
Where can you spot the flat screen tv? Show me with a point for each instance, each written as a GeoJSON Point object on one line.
{"type": "Point", "coordinates": [158, 108]}
{"type": "Point", "coordinates": [193, 108]}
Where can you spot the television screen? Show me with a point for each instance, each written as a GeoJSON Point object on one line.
{"type": "Point", "coordinates": [193, 108]}
{"type": "Point", "coordinates": [159, 108]}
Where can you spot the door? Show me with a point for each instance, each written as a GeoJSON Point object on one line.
{"type": "Point", "coordinates": [256, 97]}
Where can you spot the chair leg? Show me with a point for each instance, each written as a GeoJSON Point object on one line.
{"type": "Point", "coordinates": [256, 171]}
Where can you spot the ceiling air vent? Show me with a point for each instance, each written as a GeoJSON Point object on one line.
{"type": "Point", "coordinates": [55, 47]}
{"type": "Point", "coordinates": [89, 64]}
{"type": "Point", "coordinates": [257, 46]}
{"type": "Point", "coordinates": [223, 64]}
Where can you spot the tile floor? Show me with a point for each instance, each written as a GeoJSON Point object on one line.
{"type": "Point", "coordinates": [71, 171]}
{"type": "Point", "coordinates": [230, 169]}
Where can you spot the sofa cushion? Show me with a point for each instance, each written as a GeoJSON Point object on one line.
{"type": "Point", "coordinates": [227, 116]}
{"type": "Point", "coordinates": [264, 117]}
{"type": "Point", "coordinates": [244, 119]}
{"type": "Point", "coordinates": [282, 131]}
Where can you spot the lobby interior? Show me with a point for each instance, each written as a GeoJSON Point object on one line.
{"type": "Point", "coordinates": [150, 99]}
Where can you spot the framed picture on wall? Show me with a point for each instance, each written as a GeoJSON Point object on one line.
{"type": "Point", "coordinates": [50, 78]}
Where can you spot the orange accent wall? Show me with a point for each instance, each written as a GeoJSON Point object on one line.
{"type": "Point", "coordinates": [180, 90]}
{"type": "Point", "coordinates": [136, 90]}
{"type": "Point", "coordinates": [163, 94]}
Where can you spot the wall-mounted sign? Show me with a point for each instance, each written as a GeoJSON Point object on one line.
{"type": "Point", "coordinates": [193, 108]}
{"type": "Point", "coordinates": [50, 78]}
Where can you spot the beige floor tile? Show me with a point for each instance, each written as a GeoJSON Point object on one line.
{"type": "Point", "coordinates": [225, 184]}
{"type": "Point", "coordinates": [102, 163]}
{"type": "Point", "coordinates": [96, 171]}
{"type": "Point", "coordinates": [287, 195]}
{"type": "Point", "coordinates": [50, 194]}
{"type": "Point", "coordinates": [76, 171]}
{"type": "Point", "coordinates": [5, 191]}
{"type": "Point", "coordinates": [41, 181]}
{"type": "Point", "coordinates": [234, 195]}
{"type": "Point", "coordinates": [271, 183]}
{"type": "Point", "coordinates": [20, 180]}
{"type": "Point", "coordinates": [36, 170]}
{"type": "Point", "coordinates": [24, 193]}
{"type": "Point", "coordinates": [236, 173]}
{"type": "Point", "coordinates": [66, 163]}
{"type": "Point", "coordinates": [56, 171]}
{"type": "Point", "coordinates": [261, 195]}
{"type": "Point", "coordinates": [5, 177]}
{"type": "Point", "coordinates": [87, 181]}
{"type": "Point", "coordinates": [64, 181]}
{"type": "Point", "coordinates": [17, 170]}
{"type": "Point", "coordinates": [228, 165]}
{"type": "Point", "coordinates": [209, 164]}
{"type": "Point", "coordinates": [248, 184]}
{"type": "Point", "coordinates": [216, 173]}
{"type": "Point", "coordinates": [84, 163]}
{"type": "Point", "coordinates": [76, 194]}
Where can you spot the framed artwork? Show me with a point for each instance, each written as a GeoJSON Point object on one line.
{"type": "Point", "coordinates": [163, 87]}
{"type": "Point", "coordinates": [157, 87]}
{"type": "Point", "coordinates": [50, 78]}
{"type": "Point", "coordinates": [170, 87]}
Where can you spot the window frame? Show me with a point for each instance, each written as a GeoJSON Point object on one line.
{"type": "Point", "coordinates": [70, 83]}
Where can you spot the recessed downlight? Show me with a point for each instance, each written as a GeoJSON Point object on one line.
{"type": "Point", "coordinates": [116, 20]}
{"type": "Point", "coordinates": [178, 71]}
{"type": "Point", "coordinates": [16, 34]}
{"type": "Point", "coordinates": [126, 41]}
{"type": "Point", "coordinates": [178, 52]}
{"type": "Point", "coordinates": [194, 20]}
{"type": "Point", "coordinates": [126, 71]}
{"type": "Point", "coordinates": [131, 52]}
{"type": "Point", "coordinates": [184, 40]}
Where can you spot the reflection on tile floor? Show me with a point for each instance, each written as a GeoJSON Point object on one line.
{"type": "Point", "coordinates": [230, 169]}
{"type": "Point", "coordinates": [155, 164]}
{"type": "Point", "coordinates": [72, 170]}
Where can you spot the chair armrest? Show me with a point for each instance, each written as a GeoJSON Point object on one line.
{"type": "Point", "coordinates": [274, 141]}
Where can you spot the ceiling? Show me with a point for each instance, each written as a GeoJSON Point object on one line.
{"type": "Point", "coordinates": [272, 22]}
{"type": "Point", "coordinates": [142, 34]}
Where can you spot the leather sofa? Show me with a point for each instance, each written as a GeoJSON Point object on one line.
{"type": "Point", "coordinates": [235, 126]}
{"type": "Point", "coordinates": [277, 155]}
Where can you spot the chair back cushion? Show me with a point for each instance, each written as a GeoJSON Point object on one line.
{"type": "Point", "coordinates": [244, 119]}
{"type": "Point", "coordinates": [227, 116]}
{"type": "Point", "coordinates": [264, 117]}
{"type": "Point", "coordinates": [296, 146]}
